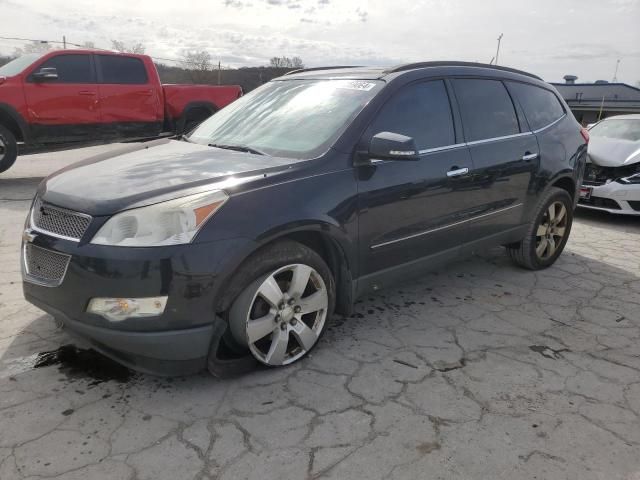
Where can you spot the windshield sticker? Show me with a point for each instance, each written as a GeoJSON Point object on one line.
{"type": "Point", "coordinates": [356, 85]}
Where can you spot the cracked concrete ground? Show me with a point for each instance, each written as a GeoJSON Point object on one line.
{"type": "Point", "coordinates": [477, 371]}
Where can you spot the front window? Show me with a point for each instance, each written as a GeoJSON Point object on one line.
{"type": "Point", "coordinates": [623, 129]}
{"type": "Point", "coordinates": [289, 118]}
{"type": "Point", "coordinates": [16, 66]}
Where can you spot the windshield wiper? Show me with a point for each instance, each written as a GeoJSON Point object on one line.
{"type": "Point", "coordinates": [238, 148]}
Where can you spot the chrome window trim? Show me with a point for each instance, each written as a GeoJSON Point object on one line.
{"type": "Point", "coordinates": [497, 139]}
{"type": "Point", "coordinates": [444, 227]}
{"type": "Point", "coordinates": [33, 226]}
{"type": "Point", "coordinates": [551, 124]}
{"type": "Point", "coordinates": [28, 277]}
{"type": "Point", "coordinates": [441, 149]}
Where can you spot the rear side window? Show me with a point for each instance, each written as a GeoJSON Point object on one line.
{"type": "Point", "coordinates": [122, 70]}
{"type": "Point", "coordinates": [541, 107]}
{"type": "Point", "coordinates": [70, 68]}
{"type": "Point", "coordinates": [486, 108]}
{"type": "Point", "coordinates": [421, 111]}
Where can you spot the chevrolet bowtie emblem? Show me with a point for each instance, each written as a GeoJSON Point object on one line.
{"type": "Point", "coordinates": [28, 236]}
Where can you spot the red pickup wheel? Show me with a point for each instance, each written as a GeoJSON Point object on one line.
{"type": "Point", "coordinates": [8, 149]}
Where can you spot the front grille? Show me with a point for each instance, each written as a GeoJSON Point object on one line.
{"type": "Point", "coordinates": [44, 266]}
{"type": "Point", "coordinates": [595, 175]}
{"type": "Point", "coordinates": [601, 202]}
{"type": "Point", "coordinates": [58, 221]}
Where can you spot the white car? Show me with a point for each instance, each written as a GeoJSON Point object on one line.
{"type": "Point", "coordinates": [612, 176]}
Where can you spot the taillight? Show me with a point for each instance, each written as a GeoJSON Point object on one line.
{"type": "Point", "coordinates": [585, 134]}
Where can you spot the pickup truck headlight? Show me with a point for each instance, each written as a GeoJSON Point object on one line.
{"type": "Point", "coordinates": [167, 223]}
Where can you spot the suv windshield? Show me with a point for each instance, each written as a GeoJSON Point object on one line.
{"type": "Point", "coordinates": [624, 129]}
{"type": "Point", "coordinates": [290, 118]}
{"type": "Point", "coordinates": [17, 65]}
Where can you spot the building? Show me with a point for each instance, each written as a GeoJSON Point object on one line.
{"type": "Point", "coordinates": [591, 102]}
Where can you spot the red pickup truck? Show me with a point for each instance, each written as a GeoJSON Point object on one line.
{"type": "Point", "coordinates": [70, 96]}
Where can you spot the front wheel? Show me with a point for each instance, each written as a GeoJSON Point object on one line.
{"type": "Point", "coordinates": [280, 316]}
{"type": "Point", "coordinates": [547, 234]}
{"type": "Point", "coordinates": [8, 149]}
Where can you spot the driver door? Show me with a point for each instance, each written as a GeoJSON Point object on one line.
{"type": "Point", "coordinates": [65, 109]}
{"type": "Point", "coordinates": [412, 213]}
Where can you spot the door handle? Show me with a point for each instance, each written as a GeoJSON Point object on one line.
{"type": "Point", "coordinates": [527, 157]}
{"type": "Point", "coordinates": [86, 92]}
{"type": "Point", "coordinates": [456, 172]}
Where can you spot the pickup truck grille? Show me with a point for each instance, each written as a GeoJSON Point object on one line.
{"type": "Point", "coordinates": [59, 222]}
{"type": "Point", "coordinates": [44, 266]}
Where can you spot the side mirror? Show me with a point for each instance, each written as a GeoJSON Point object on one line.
{"type": "Point", "coordinates": [45, 74]}
{"type": "Point", "coordinates": [393, 146]}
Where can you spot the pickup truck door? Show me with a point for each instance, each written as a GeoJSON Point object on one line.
{"type": "Point", "coordinates": [131, 105]}
{"type": "Point", "coordinates": [63, 109]}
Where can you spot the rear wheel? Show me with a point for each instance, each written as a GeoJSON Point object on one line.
{"type": "Point", "coordinates": [8, 149]}
{"type": "Point", "coordinates": [547, 234]}
{"type": "Point", "coordinates": [280, 316]}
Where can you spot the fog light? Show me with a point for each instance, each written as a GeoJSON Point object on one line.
{"type": "Point", "coordinates": [117, 309]}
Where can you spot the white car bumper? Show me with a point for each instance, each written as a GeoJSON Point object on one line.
{"type": "Point", "coordinates": [614, 197]}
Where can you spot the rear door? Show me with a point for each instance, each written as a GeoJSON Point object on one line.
{"type": "Point", "coordinates": [64, 109]}
{"type": "Point", "coordinates": [130, 103]}
{"type": "Point", "coordinates": [505, 155]}
{"type": "Point", "coordinates": [411, 210]}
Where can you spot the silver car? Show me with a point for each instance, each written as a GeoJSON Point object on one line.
{"type": "Point", "coordinates": [612, 176]}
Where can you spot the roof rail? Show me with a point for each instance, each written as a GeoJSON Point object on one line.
{"type": "Point", "coordinates": [312, 69]}
{"type": "Point", "coordinates": [411, 66]}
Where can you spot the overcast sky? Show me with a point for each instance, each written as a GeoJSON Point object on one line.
{"type": "Point", "coordinates": [548, 37]}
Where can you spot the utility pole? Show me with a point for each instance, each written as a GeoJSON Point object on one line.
{"type": "Point", "coordinates": [615, 73]}
{"type": "Point", "coordinates": [64, 42]}
{"type": "Point", "coordinates": [498, 50]}
{"type": "Point", "coordinates": [219, 72]}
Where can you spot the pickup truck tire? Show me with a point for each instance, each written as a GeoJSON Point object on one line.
{"type": "Point", "coordinates": [194, 117]}
{"type": "Point", "coordinates": [8, 149]}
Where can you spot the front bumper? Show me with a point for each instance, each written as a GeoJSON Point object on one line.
{"type": "Point", "coordinates": [613, 197]}
{"type": "Point", "coordinates": [176, 342]}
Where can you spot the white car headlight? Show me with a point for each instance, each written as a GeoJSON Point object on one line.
{"type": "Point", "coordinates": [167, 223]}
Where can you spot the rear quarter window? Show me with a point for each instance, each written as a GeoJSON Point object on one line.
{"type": "Point", "coordinates": [541, 106]}
{"type": "Point", "coordinates": [121, 70]}
{"type": "Point", "coordinates": [486, 108]}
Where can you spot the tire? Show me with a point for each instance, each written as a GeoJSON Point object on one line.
{"type": "Point", "coordinates": [195, 117]}
{"type": "Point", "coordinates": [287, 298]}
{"type": "Point", "coordinates": [543, 244]}
{"type": "Point", "coordinates": [8, 149]}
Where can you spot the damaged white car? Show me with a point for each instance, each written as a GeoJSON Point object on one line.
{"type": "Point", "coordinates": [612, 176]}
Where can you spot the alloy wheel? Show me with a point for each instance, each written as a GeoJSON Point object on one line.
{"type": "Point", "coordinates": [3, 148]}
{"type": "Point", "coordinates": [281, 315]}
{"type": "Point", "coordinates": [551, 230]}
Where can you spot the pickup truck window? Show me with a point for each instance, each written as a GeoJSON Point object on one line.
{"type": "Point", "coordinates": [121, 70]}
{"type": "Point", "coordinates": [71, 68]}
{"type": "Point", "coordinates": [17, 65]}
{"type": "Point", "coordinates": [289, 118]}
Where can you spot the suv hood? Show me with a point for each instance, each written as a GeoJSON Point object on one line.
{"type": "Point", "coordinates": [613, 152]}
{"type": "Point", "coordinates": [143, 174]}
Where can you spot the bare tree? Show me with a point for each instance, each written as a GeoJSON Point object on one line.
{"type": "Point", "coordinates": [120, 46]}
{"type": "Point", "coordinates": [199, 65]}
{"type": "Point", "coordinates": [33, 47]}
{"type": "Point", "coordinates": [286, 62]}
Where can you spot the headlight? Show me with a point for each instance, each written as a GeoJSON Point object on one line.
{"type": "Point", "coordinates": [167, 223]}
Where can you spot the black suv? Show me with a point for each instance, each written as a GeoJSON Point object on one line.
{"type": "Point", "coordinates": [236, 243]}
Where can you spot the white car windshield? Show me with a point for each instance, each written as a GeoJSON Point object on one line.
{"type": "Point", "coordinates": [623, 129]}
{"type": "Point", "coordinates": [289, 118]}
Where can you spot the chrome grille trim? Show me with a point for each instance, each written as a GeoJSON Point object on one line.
{"type": "Point", "coordinates": [58, 222]}
{"type": "Point", "coordinates": [44, 267]}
